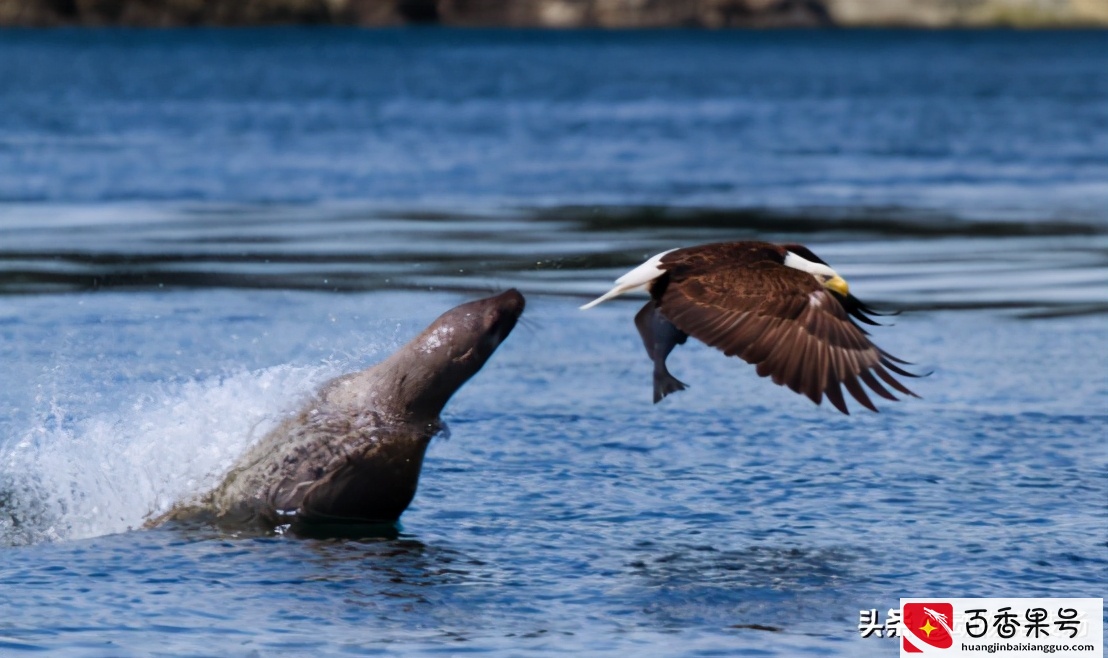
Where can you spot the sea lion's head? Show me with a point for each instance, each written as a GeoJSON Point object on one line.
{"type": "Point", "coordinates": [453, 348]}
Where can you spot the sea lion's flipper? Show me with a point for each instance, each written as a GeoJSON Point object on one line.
{"type": "Point", "coordinates": [659, 337]}
{"type": "Point", "coordinates": [347, 495]}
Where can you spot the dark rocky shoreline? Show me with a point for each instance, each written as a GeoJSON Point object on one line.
{"type": "Point", "coordinates": [556, 13]}
{"type": "Point", "coordinates": [372, 13]}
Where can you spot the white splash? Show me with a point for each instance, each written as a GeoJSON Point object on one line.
{"type": "Point", "coordinates": [70, 479]}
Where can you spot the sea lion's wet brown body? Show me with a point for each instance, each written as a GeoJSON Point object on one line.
{"type": "Point", "coordinates": [353, 453]}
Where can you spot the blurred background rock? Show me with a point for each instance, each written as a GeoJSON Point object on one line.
{"type": "Point", "coordinates": [561, 13]}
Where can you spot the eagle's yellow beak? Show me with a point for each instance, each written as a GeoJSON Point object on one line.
{"type": "Point", "coordinates": [838, 284]}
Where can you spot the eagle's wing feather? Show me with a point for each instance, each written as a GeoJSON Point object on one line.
{"type": "Point", "coordinates": [780, 319]}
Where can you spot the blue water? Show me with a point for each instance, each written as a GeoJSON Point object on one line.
{"type": "Point", "coordinates": [962, 121]}
{"type": "Point", "coordinates": [196, 228]}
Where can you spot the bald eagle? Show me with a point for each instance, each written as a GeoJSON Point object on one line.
{"type": "Point", "coordinates": [778, 307]}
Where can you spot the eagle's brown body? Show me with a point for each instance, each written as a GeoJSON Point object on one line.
{"type": "Point", "coordinates": [778, 307]}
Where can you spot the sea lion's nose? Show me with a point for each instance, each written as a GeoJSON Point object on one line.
{"type": "Point", "coordinates": [511, 301]}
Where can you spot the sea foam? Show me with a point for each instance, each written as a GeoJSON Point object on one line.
{"type": "Point", "coordinates": [70, 478]}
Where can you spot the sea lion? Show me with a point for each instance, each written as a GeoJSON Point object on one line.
{"type": "Point", "coordinates": [353, 453]}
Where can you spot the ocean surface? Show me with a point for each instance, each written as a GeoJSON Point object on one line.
{"type": "Point", "coordinates": [199, 227]}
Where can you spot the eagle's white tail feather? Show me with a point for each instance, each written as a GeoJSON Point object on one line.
{"type": "Point", "coordinates": [614, 292]}
{"type": "Point", "coordinates": [637, 278]}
